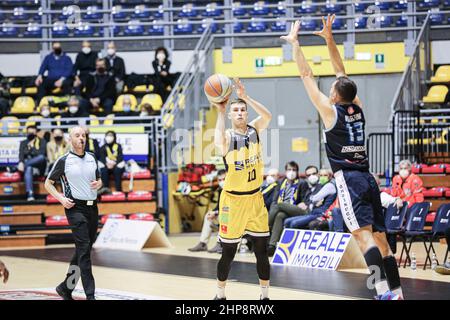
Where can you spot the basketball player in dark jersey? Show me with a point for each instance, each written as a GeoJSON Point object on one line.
{"type": "Point", "coordinates": [358, 192]}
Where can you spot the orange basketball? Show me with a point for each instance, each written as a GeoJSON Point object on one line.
{"type": "Point", "coordinates": [218, 88]}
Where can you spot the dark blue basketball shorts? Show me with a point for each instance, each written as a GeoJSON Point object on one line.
{"type": "Point", "coordinates": [359, 200]}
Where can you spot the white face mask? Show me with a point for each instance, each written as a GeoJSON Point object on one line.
{"type": "Point", "coordinates": [126, 108]}
{"type": "Point", "coordinates": [73, 110]}
{"type": "Point", "coordinates": [160, 56]}
{"type": "Point", "coordinates": [291, 175]}
{"type": "Point", "coordinates": [109, 139]}
{"type": "Point", "coordinates": [86, 50]}
{"type": "Point", "coordinates": [144, 114]}
{"type": "Point", "coordinates": [111, 51]}
{"type": "Point", "coordinates": [221, 184]}
{"type": "Point", "coordinates": [270, 179]}
{"type": "Point", "coordinates": [404, 173]}
{"type": "Point", "coordinates": [45, 113]}
{"type": "Point", "coordinates": [313, 179]}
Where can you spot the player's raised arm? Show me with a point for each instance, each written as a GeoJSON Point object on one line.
{"type": "Point", "coordinates": [320, 101]}
{"type": "Point", "coordinates": [220, 136]}
{"type": "Point", "coordinates": [335, 56]}
{"type": "Point", "coordinates": [264, 115]}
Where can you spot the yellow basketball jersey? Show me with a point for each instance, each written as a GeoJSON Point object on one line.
{"type": "Point", "coordinates": [243, 162]}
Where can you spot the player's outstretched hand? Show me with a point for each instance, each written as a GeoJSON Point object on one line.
{"type": "Point", "coordinates": [292, 37]}
{"type": "Point", "coordinates": [4, 273]}
{"type": "Point", "coordinates": [327, 30]}
{"type": "Point", "coordinates": [240, 89]}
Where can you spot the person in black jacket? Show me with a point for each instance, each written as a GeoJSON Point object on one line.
{"type": "Point", "coordinates": [100, 88]}
{"type": "Point", "coordinates": [91, 144]}
{"type": "Point", "coordinates": [270, 187]}
{"type": "Point", "coordinates": [32, 152]}
{"type": "Point", "coordinates": [116, 66]}
{"type": "Point", "coordinates": [111, 161]}
{"type": "Point", "coordinates": [163, 79]}
{"type": "Point", "coordinates": [84, 65]}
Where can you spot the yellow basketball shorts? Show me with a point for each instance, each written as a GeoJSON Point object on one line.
{"type": "Point", "coordinates": [242, 214]}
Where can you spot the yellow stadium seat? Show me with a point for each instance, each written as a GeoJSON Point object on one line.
{"type": "Point", "coordinates": [31, 121]}
{"type": "Point", "coordinates": [140, 89]}
{"type": "Point", "coordinates": [56, 91]}
{"type": "Point", "coordinates": [109, 121]}
{"type": "Point", "coordinates": [94, 120]}
{"type": "Point", "coordinates": [31, 90]}
{"type": "Point", "coordinates": [182, 101]}
{"type": "Point", "coordinates": [153, 99]}
{"type": "Point", "coordinates": [23, 105]}
{"type": "Point", "coordinates": [436, 94]}
{"type": "Point", "coordinates": [13, 126]}
{"type": "Point", "coordinates": [168, 120]}
{"type": "Point", "coordinates": [48, 100]}
{"type": "Point", "coordinates": [442, 74]}
{"type": "Point", "coordinates": [58, 118]}
{"type": "Point", "coordinates": [118, 107]}
{"type": "Point", "coordinates": [15, 90]}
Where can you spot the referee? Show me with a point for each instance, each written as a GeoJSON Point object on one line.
{"type": "Point", "coordinates": [79, 175]}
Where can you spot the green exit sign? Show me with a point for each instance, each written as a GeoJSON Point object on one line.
{"type": "Point", "coordinates": [259, 63]}
{"type": "Point", "coordinates": [379, 60]}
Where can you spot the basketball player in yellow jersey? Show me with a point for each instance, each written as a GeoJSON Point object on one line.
{"type": "Point", "coordinates": [241, 208]}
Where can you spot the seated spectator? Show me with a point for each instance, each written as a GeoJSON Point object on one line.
{"type": "Point", "coordinates": [269, 187]}
{"type": "Point", "coordinates": [116, 66]}
{"type": "Point", "coordinates": [59, 67]}
{"type": "Point", "coordinates": [4, 273]}
{"type": "Point", "coordinates": [100, 89]}
{"type": "Point", "coordinates": [163, 79]}
{"type": "Point", "coordinates": [4, 96]}
{"type": "Point", "coordinates": [111, 161]}
{"type": "Point", "coordinates": [318, 202]}
{"type": "Point", "coordinates": [57, 147]}
{"type": "Point", "coordinates": [32, 152]}
{"type": "Point", "coordinates": [406, 185]}
{"type": "Point", "coordinates": [75, 110]}
{"type": "Point", "coordinates": [91, 144]}
{"type": "Point", "coordinates": [126, 104]}
{"type": "Point", "coordinates": [288, 195]}
{"type": "Point", "coordinates": [210, 222]}
{"type": "Point", "coordinates": [84, 65]}
{"type": "Point", "coordinates": [147, 110]}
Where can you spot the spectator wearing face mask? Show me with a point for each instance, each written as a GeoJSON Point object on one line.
{"type": "Point", "coordinates": [211, 221]}
{"type": "Point", "coordinates": [84, 65]}
{"type": "Point", "coordinates": [127, 111]}
{"type": "Point", "coordinates": [32, 152]}
{"type": "Point", "coordinates": [59, 67]}
{"type": "Point", "coordinates": [161, 65]}
{"type": "Point", "coordinates": [100, 89]}
{"type": "Point", "coordinates": [288, 195]}
{"type": "Point", "coordinates": [74, 110]}
{"type": "Point", "coordinates": [116, 66]}
{"type": "Point", "coordinates": [111, 161]}
{"type": "Point", "coordinates": [269, 187]}
{"type": "Point", "coordinates": [57, 147]}
{"type": "Point", "coordinates": [406, 185]}
{"type": "Point", "coordinates": [91, 144]}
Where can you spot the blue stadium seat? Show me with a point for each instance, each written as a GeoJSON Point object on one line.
{"type": "Point", "coordinates": [183, 27]}
{"type": "Point", "coordinates": [308, 24]}
{"type": "Point", "coordinates": [338, 24]}
{"type": "Point", "coordinates": [60, 29]}
{"type": "Point", "coordinates": [141, 12]}
{"type": "Point", "coordinates": [359, 7]}
{"type": "Point", "coordinates": [446, 3]}
{"type": "Point", "coordinates": [384, 6]}
{"type": "Point", "coordinates": [157, 28]}
{"type": "Point", "coordinates": [63, 2]}
{"type": "Point", "coordinates": [214, 26]}
{"type": "Point", "coordinates": [238, 27]}
{"type": "Point", "coordinates": [256, 25]}
{"type": "Point", "coordinates": [385, 21]}
{"type": "Point", "coordinates": [402, 21]}
{"type": "Point", "coordinates": [237, 10]}
{"type": "Point", "coordinates": [160, 13]}
{"type": "Point", "coordinates": [279, 26]}
{"type": "Point", "coordinates": [134, 28]}
{"type": "Point", "coordinates": [67, 12]}
{"type": "Point", "coordinates": [84, 29]}
{"type": "Point", "coordinates": [307, 7]}
{"type": "Point", "coordinates": [428, 4]}
{"type": "Point", "coordinates": [331, 7]}
{"type": "Point", "coordinates": [2, 16]}
{"type": "Point", "coordinates": [280, 9]}
{"type": "Point", "coordinates": [211, 10]}
{"type": "Point", "coordinates": [115, 30]}
{"type": "Point", "coordinates": [33, 30]}
{"type": "Point", "coordinates": [8, 31]}
{"type": "Point", "coordinates": [19, 14]}
{"type": "Point", "coordinates": [259, 9]}
{"type": "Point", "coordinates": [188, 11]}
{"type": "Point", "coordinates": [117, 13]}
{"type": "Point", "coordinates": [436, 18]}
{"type": "Point", "coordinates": [401, 5]}
{"type": "Point", "coordinates": [92, 13]}
{"type": "Point", "coordinates": [360, 22]}
{"type": "Point", "coordinates": [86, 2]}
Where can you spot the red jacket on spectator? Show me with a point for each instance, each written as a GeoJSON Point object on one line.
{"type": "Point", "coordinates": [408, 190]}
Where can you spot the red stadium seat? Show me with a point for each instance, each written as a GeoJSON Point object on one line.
{"type": "Point", "coordinates": [436, 192]}
{"type": "Point", "coordinates": [10, 177]}
{"type": "Point", "coordinates": [112, 216]}
{"type": "Point", "coordinates": [145, 174]}
{"type": "Point", "coordinates": [52, 199]}
{"type": "Point", "coordinates": [430, 217]}
{"type": "Point", "coordinates": [447, 193]}
{"type": "Point", "coordinates": [435, 168]}
{"type": "Point", "coordinates": [113, 197]}
{"type": "Point", "coordinates": [60, 221]}
{"type": "Point", "coordinates": [140, 196]}
{"type": "Point", "coordinates": [142, 216]}
{"type": "Point", "coordinates": [416, 168]}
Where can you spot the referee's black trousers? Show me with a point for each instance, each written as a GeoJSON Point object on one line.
{"type": "Point", "coordinates": [84, 222]}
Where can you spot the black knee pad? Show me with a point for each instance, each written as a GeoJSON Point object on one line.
{"type": "Point", "coordinates": [262, 258]}
{"type": "Point", "coordinates": [224, 264]}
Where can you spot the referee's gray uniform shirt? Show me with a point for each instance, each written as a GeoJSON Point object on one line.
{"type": "Point", "coordinates": [76, 174]}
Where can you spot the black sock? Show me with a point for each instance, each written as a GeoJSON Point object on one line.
{"type": "Point", "coordinates": [391, 269]}
{"type": "Point", "coordinates": [374, 262]}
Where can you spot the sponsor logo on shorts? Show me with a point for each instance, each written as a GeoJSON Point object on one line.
{"type": "Point", "coordinates": [225, 209]}
{"type": "Point", "coordinates": [224, 229]}
{"type": "Point", "coordinates": [224, 217]}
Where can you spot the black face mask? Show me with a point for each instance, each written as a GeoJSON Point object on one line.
{"type": "Point", "coordinates": [101, 70]}
{"type": "Point", "coordinates": [57, 51]}
{"type": "Point", "coordinates": [31, 136]}
{"type": "Point", "coordinates": [58, 138]}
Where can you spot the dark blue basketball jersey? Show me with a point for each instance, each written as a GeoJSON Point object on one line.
{"type": "Point", "coordinates": [345, 141]}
